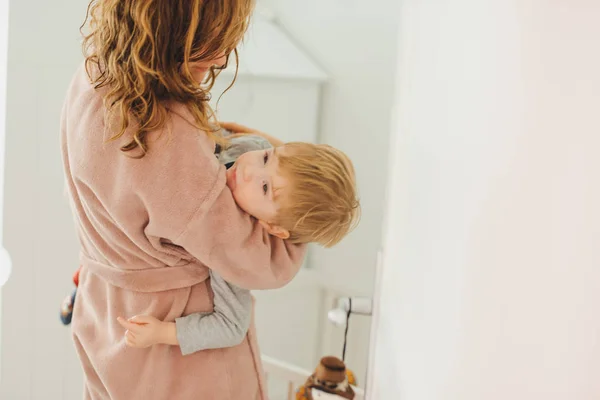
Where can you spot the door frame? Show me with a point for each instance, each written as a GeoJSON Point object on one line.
{"type": "Point", "coordinates": [4, 261]}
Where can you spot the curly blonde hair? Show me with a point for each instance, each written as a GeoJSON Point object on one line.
{"type": "Point", "coordinates": [321, 204]}
{"type": "Point", "coordinates": [141, 50]}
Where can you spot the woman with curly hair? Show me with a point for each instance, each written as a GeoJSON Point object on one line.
{"type": "Point", "coordinates": [151, 205]}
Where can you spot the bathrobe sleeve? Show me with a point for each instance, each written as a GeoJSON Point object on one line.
{"type": "Point", "coordinates": [189, 205]}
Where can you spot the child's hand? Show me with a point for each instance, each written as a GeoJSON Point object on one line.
{"type": "Point", "coordinates": [144, 331]}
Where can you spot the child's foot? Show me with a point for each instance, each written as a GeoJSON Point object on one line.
{"type": "Point", "coordinates": [66, 309]}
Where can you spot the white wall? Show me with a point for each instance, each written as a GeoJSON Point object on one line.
{"type": "Point", "coordinates": [355, 42]}
{"type": "Point", "coordinates": [3, 82]}
{"type": "Point", "coordinates": [491, 282]}
{"type": "Point", "coordinates": [3, 65]}
{"type": "Point", "coordinates": [37, 352]}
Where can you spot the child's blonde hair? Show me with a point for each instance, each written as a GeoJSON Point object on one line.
{"type": "Point", "coordinates": [321, 204]}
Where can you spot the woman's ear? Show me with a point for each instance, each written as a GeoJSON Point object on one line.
{"type": "Point", "coordinates": [275, 230]}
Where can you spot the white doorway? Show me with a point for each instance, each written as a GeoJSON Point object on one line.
{"type": "Point", "coordinates": [5, 266]}
{"type": "Point", "coordinates": [38, 361]}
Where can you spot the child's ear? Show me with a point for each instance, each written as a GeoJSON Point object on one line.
{"type": "Point", "coordinates": [275, 230]}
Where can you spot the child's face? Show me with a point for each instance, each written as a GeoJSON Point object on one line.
{"type": "Point", "coordinates": [254, 181]}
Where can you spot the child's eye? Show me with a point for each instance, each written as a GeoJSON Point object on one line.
{"type": "Point", "coordinates": [265, 188]}
{"type": "Point", "coordinates": [266, 157]}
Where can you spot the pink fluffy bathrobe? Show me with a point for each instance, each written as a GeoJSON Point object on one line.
{"type": "Point", "coordinates": [149, 230]}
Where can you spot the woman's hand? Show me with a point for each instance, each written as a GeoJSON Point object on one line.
{"type": "Point", "coordinates": [244, 130]}
{"type": "Point", "coordinates": [145, 331]}
{"type": "Point", "coordinates": [238, 129]}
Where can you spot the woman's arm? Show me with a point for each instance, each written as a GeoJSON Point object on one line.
{"type": "Point", "coordinates": [189, 205]}
{"type": "Point", "coordinates": [241, 129]}
{"type": "Point", "coordinates": [233, 244]}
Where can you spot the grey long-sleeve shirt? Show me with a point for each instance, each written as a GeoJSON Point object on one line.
{"type": "Point", "coordinates": [228, 324]}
